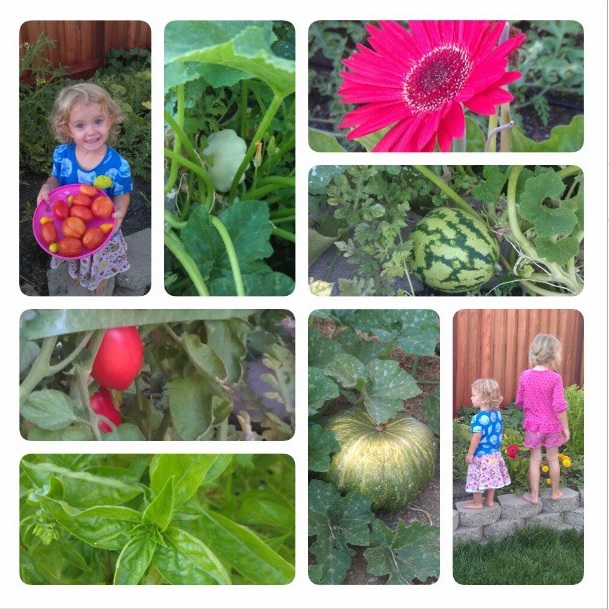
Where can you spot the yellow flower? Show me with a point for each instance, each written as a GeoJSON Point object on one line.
{"type": "Point", "coordinates": [545, 468]}
{"type": "Point", "coordinates": [566, 462]}
{"type": "Point", "coordinates": [561, 456]}
{"type": "Point", "coordinates": [548, 481]}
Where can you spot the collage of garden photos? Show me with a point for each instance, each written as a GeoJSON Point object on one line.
{"type": "Point", "coordinates": [300, 307]}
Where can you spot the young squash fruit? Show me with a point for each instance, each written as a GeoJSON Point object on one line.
{"type": "Point", "coordinates": [389, 463]}
{"type": "Point", "coordinates": [453, 251]}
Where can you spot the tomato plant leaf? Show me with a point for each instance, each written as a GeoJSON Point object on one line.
{"type": "Point", "coordinates": [243, 550]}
{"type": "Point", "coordinates": [160, 510]}
{"type": "Point", "coordinates": [134, 560]}
{"type": "Point", "coordinates": [203, 356]}
{"type": "Point", "coordinates": [49, 409]}
{"type": "Point", "coordinates": [107, 527]}
{"type": "Point", "coordinates": [406, 554]}
{"type": "Point", "coordinates": [195, 410]}
{"type": "Point", "coordinates": [228, 339]}
{"type": "Point", "coordinates": [322, 443]}
{"type": "Point", "coordinates": [126, 432]}
{"type": "Point", "coordinates": [185, 559]}
{"type": "Point", "coordinates": [335, 521]}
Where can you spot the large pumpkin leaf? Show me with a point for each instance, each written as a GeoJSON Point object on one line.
{"type": "Point", "coordinates": [347, 370]}
{"type": "Point", "coordinates": [386, 388]}
{"type": "Point", "coordinates": [406, 554]}
{"type": "Point", "coordinates": [321, 389]}
{"type": "Point", "coordinates": [322, 443]}
{"type": "Point", "coordinates": [335, 521]}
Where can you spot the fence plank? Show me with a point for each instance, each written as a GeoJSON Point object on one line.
{"type": "Point", "coordinates": [494, 344]}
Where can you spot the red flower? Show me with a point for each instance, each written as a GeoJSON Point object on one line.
{"type": "Point", "coordinates": [512, 450]}
{"type": "Point", "coordinates": [418, 80]}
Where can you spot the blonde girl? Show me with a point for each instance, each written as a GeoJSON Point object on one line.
{"type": "Point", "coordinates": [84, 119]}
{"type": "Point", "coordinates": [542, 399]}
{"type": "Point", "coordinates": [486, 469]}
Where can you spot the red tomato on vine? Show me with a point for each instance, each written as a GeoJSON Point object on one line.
{"type": "Point", "coordinates": [119, 358]}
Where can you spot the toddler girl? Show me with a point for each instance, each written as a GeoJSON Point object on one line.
{"type": "Point", "coordinates": [541, 396]}
{"type": "Point", "coordinates": [486, 469]}
{"type": "Point", "coordinates": [84, 119]}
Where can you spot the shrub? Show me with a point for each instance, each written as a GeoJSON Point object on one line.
{"type": "Point", "coordinates": [575, 398]}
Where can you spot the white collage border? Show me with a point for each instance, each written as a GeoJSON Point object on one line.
{"type": "Point", "coordinates": [592, 303]}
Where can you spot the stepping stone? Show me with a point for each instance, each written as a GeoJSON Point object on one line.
{"type": "Point", "coordinates": [514, 507]}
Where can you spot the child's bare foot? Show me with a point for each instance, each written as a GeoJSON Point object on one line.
{"type": "Point", "coordinates": [556, 496]}
{"type": "Point", "coordinates": [472, 505]}
{"type": "Point", "coordinates": [528, 497]}
{"type": "Point", "coordinates": [490, 503]}
{"type": "Point", "coordinates": [100, 290]}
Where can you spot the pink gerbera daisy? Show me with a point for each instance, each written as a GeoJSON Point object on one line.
{"type": "Point", "coordinates": [417, 80]}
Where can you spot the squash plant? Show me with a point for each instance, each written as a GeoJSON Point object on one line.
{"type": "Point", "coordinates": [367, 456]}
{"type": "Point", "coordinates": [156, 519]}
{"type": "Point", "coordinates": [229, 147]}
{"type": "Point", "coordinates": [205, 375]}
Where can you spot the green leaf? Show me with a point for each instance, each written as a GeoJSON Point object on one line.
{"type": "Point", "coordinates": [188, 472]}
{"type": "Point", "coordinates": [387, 387]}
{"type": "Point", "coordinates": [320, 141]}
{"type": "Point", "coordinates": [335, 521]}
{"type": "Point", "coordinates": [81, 489]}
{"type": "Point", "coordinates": [260, 511]}
{"type": "Point", "coordinates": [363, 350]}
{"type": "Point", "coordinates": [320, 176]}
{"type": "Point", "coordinates": [346, 370]}
{"type": "Point", "coordinates": [431, 411]}
{"type": "Point", "coordinates": [107, 527]}
{"type": "Point", "coordinates": [318, 244]}
{"type": "Point", "coordinates": [321, 389]}
{"type": "Point", "coordinates": [73, 433]}
{"type": "Point", "coordinates": [475, 138]}
{"type": "Point", "coordinates": [244, 551]}
{"type": "Point", "coordinates": [406, 554]}
{"type": "Point", "coordinates": [489, 190]}
{"type": "Point", "coordinates": [203, 357]}
{"type": "Point", "coordinates": [243, 47]}
{"type": "Point", "coordinates": [187, 560]}
{"type": "Point", "coordinates": [127, 432]}
{"type": "Point", "coordinates": [563, 138]}
{"type": "Point", "coordinates": [322, 443]}
{"type": "Point", "coordinates": [49, 409]}
{"type": "Point", "coordinates": [160, 510]}
{"type": "Point", "coordinates": [228, 339]}
{"type": "Point", "coordinates": [557, 250]}
{"type": "Point", "coordinates": [134, 560]}
{"type": "Point", "coordinates": [194, 408]}
{"type": "Point", "coordinates": [66, 321]}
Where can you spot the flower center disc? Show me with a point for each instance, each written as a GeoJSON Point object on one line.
{"type": "Point", "coordinates": [436, 78]}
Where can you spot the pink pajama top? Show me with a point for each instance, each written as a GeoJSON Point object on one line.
{"type": "Point", "coordinates": [541, 396]}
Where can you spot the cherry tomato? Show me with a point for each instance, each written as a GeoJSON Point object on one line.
{"type": "Point", "coordinates": [45, 219]}
{"type": "Point", "coordinates": [69, 247]}
{"type": "Point", "coordinates": [73, 227]}
{"type": "Point", "coordinates": [119, 358]}
{"type": "Point", "coordinates": [81, 199]}
{"type": "Point", "coordinates": [102, 207]}
{"type": "Point", "coordinates": [87, 189]}
{"type": "Point", "coordinates": [106, 227]}
{"type": "Point", "coordinates": [92, 237]}
{"type": "Point", "coordinates": [48, 233]}
{"type": "Point", "coordinates": [61, 210]}
{"type": "Point", "coordinates": [101, 403]}
{"type": "Point", "coordinates": [79, 211]}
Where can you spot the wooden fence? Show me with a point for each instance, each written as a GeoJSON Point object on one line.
{"type": "Point", "coordinates": [82, 46]}
{"type": "Point", "coordinates": [494, 344]}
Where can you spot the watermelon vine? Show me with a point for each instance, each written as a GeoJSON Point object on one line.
{"type": "Point", "coordinates": [368, 457]}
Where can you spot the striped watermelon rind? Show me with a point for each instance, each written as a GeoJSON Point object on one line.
{"type": "Point", "coordinates": [453, 251]}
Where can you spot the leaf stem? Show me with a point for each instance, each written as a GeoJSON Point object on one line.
{"type": "Point", "coordinates": [232, 255]}
{"type": "Point", "coordinates": [175, 246]}
{"type": "Point", "coordinates": [173, 171]}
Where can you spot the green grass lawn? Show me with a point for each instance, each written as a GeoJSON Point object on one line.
{"type": "Point", "coordinates": [532, 556]}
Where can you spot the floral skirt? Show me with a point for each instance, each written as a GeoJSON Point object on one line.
{"type": "Point", "coordinates": [108, 262]}
{"type": "Point", "coordinates": [486, 471]}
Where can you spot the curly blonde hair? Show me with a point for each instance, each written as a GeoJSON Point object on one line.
{"type": "Point", "coordinates": [82, 94]}
{"type": "Point", "coordinates": [545, 350]}
{"type": "Point", "coordinates": [488, 389]}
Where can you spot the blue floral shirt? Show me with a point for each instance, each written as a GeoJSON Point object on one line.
{"type": "Point", "coordinates": [67, 170]}
{"type": "Point", "coordinates": [490, 424]}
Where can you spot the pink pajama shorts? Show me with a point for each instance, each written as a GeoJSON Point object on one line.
{"type": "Point", "coordinates": [537, 439]}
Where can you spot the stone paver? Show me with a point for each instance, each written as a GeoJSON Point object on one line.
{"type": "Point", "coordinates": [569, 501]}
{"type": "Point", "coordinates": [515, 507]}
{"type": "Point", "coordinates": [477, 518]}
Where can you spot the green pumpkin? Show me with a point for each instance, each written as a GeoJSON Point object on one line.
{"type": "Point", "coordinates": [390, 463]}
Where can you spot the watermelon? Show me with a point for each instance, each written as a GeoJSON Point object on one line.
{"type": "Point", "coordinates": [389, 463]}
{"type": "Point", "coordinates": [453, 251]}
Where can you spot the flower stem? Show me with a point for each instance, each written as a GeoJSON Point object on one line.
{"type": "Point", "coordinates": [232, 255]}
{"type": "Point", "coordinates": [175, 246]}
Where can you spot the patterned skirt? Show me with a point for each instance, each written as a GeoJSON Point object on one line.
{"type": "Point", "coordinates": [108, 262]}
{"type": "Point", "coordinates": [487, 471]}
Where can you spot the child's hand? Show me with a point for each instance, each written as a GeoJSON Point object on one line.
{"type": "Point", "coordinates": [43, 194]}
{"type": "Point", "coordinates": [566, 434]}
{"type": "Point", "coordinates": [118, 215]}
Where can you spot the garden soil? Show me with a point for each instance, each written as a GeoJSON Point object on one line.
{"type": "Point", "coordinates": [34, 262]}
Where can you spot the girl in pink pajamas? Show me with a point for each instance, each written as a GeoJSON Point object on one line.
{"type": "Point", "coordinates": [541, 396]}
